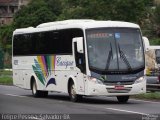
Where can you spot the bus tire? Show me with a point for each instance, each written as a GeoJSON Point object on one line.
{"type": "Point", "coordinates": [122, 99]}
{"type": "Point", "coordinates": [74, 97]}
{"type": "Point", "coordinates": [38, 93]}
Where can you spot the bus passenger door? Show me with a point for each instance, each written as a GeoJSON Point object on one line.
{"type": "Point", "coordinates": [80, 63]}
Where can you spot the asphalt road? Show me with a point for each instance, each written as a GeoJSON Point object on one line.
{"type": "Point", "coordinates": [57, 106]}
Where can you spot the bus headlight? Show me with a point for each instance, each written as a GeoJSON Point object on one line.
{"type": "Point", "coordinates": [139, 80]}
{"type": "Point", "coordinates": [99, 82]}
{"type": "Point", "coordinates": [95, 80]}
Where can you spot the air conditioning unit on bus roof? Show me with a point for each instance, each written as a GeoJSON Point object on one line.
{"type": "Point", "coordinates": [65, 22]}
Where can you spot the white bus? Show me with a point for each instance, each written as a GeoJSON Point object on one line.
{"type": "Point", "coordinates": [152, 54]}
{"type": "Point", "coordinates": [80, 57]}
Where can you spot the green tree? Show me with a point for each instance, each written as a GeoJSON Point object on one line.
{"type": "Point", "coordinates": [6, 37]}
{"type": "Point", "coordinates": [6, 44]}
{"type": "Point", "coordinates": [55, 6]}
{"type": "Point", "coordinates": [131, 10]}
{"type": "Point", "coordinates": [35, 13]}
{"type": "Point", "coordinates": [126, 10]}
{"type": "Point", "coordinates": [87, 9]}
{"type": "Point", "coordinates": [157, 20]}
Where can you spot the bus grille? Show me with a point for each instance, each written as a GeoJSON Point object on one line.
{"type": "Point", "coordinates": [113, 90]}
{"type": "Point", "coordinates": [121, 83]}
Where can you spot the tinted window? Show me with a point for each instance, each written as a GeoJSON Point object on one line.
{"type": "Point", "coordinates": [50, 42]}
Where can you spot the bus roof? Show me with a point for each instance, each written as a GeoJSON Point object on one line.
{"type": "Point", "coordinates": [79, 23]}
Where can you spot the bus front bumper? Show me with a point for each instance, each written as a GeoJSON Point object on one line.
{"type": "Point", "coordinates": [117, 90]}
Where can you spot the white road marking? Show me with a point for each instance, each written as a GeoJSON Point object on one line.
{"type": "Point", "coordinates": [61, 101]}
{"type": "Point", "coordinates": [114, 109]}
{"type": "Point", "coordinates": [120, 110]}
{"type": "Point", "coordinates": [145, 101]}
{"type": "Point", "coordinates": [15, 95]}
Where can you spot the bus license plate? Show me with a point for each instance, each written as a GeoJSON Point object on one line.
{"type": "Point", "coordinates": [119, 87]}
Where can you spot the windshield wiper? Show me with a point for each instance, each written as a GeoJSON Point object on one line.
{"type": "Point", "coordinates": [122, 55]}
{"type": "Point", "coordinates": [110, 55]}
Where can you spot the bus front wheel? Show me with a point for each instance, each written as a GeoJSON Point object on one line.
{"type": "Point", "coordinates": [122, 99]}
{"type": "Point", "coordinates": [74, 97]}
{"type": "Point", "coordinates": [38, 93]}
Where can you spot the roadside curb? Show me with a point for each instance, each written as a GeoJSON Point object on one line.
{"type": "Point", "coordinates": [6, 84]}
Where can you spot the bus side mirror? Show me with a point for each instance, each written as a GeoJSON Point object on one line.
{"type": "Point", "coordinates": [79, 41]}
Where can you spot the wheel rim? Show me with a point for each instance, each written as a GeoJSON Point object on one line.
{"type": "Point", "coordinates": [34, 88]}
{"type": "Point", "coordinates": [73, 91]}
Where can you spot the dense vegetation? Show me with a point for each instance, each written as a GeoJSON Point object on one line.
{"type": "Point", "coordinates": [143, 12]}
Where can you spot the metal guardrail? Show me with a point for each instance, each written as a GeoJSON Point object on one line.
{"type": "Point", "coordinates": [153, 87]}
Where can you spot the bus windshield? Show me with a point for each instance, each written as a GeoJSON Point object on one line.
{"type": "Point", "coordinates": [115, 49]}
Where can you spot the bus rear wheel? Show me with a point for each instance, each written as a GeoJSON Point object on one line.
{"type": "Point", "coordinates": [74, 97]}
{"type": "Point", "coordinates": [38, 93]}
{"type": "Point", "coordinates": [122, 99]}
